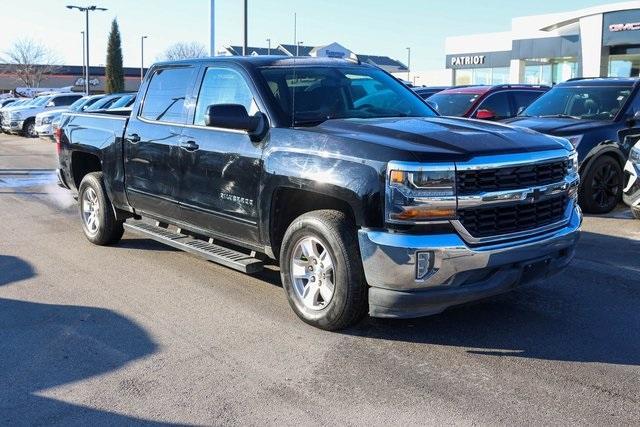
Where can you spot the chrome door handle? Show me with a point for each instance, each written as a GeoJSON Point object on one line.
{"type": "Point", "coordinates": [188, 145]}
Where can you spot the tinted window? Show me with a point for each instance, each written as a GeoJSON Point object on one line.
{"type": "Point", "coordinates": [523, 99]}
{"type": "Point", "coordinates": [223, 86]}
{"type": "Point", "coordinates": [166, 93]}
{"type": "Point", "coordinates": [125, 101]}
{"type": "Point", "coordinates": [65, 100]}
{"type": "Point", "coordinates": [498, 104]}
{"type": "Point", "coordinates": [581, 102]}
{"type": "Point", "coordinates": [316, 94]}
{"type": "Point", "coordinates": [453, 104]}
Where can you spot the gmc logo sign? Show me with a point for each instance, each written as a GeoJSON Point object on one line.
{"type": "Point", "coordinates": [631, 26]}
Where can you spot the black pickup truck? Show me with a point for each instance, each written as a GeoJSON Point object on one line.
{"type": "Point", "coordinates": [367, 198]}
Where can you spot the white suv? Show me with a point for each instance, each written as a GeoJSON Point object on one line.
{"type": "Point", "coordinates": [22, 120]}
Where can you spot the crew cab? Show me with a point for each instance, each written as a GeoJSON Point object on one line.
{"type": "Point", "coordinates": [498, 102]}
{"type": "Point", "coordinates": [367, 198]}
{"type": "Point", "coordinates": [601, 119]}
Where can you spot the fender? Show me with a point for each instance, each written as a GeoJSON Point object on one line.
{"type": "Point", "coordinates": [607, 147]}
{"type": "Point", "coordinates": [357, 182]}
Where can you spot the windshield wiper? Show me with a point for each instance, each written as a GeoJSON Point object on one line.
{"type": "Point", "coordinates": [560, 116]}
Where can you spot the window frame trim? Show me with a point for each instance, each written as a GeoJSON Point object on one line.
{"type": "Point", "coordinates": [148, 81]}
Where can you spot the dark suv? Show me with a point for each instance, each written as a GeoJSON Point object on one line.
{"type": "Point", "coordinates": [485, 102]}
{"type": "Point", "coordinates": [601, 119]}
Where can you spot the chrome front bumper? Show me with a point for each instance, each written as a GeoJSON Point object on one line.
{"type": "Point", "coordinates": [458, 273]}
{"type": "Point", "coordinates": [44, 130]}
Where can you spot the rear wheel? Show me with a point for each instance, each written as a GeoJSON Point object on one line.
{"type": "Point", "coordinates": [96, 211]}
{"type": "Point", "coordinates": [321, 270]}
{"type": "Point", "coordinates": [602, 186]}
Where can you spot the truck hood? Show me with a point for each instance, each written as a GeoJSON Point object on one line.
{"type": "Point", "coordinates": [441, 138]}
{"type": "Point", "coordinates": [557, 126]}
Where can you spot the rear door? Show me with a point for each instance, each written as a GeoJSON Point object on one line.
{"type": "Point", "coordinates": [152, 154]}
{"type": "Point", "coordinates": [222, 167]}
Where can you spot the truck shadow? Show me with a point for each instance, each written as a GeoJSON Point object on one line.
{"type": "Point", "coordinates": [45, 345]}
{"type": "Point", "coordinates": [588, 313]}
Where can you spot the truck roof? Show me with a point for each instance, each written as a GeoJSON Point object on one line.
{"type": "Point", "coordinates": [601, 81]}
{"type": "Point", "coordinates": [269, 61]}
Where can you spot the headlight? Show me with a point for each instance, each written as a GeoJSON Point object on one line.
{"type": "Point", "coordinates": [47, 120]}
{"type": "Point", "coordinates": [634, 155]}
{"type": "Point", "coordinates": [419, 193]}
{"type": "Point", "coordinates": [574, 162]}
{"type": "Point", "coordinates": [574, 140]}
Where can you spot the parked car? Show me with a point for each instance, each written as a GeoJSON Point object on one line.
{"type": "Point", "coordinates": [6, 110]}
{"type": "Point", "coordinates": [22, 120]}
{"type": "Point", "coordinates": [631, 193]}
{"type": "Point", "coordinates": [45, 120]}
{"type": "Point", "coordinates": [374, 203]}
{"type": "Point", "coordinates": [427, 91]}
{"type": "Point", "coordinates": [486, 102]}
{"type": "Point", "coordinates": [600, 118]}
{"type": "Point", "coordinates": [106, 102]}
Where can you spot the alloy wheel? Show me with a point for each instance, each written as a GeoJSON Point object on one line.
{"type": "Point", "coordinates": [90, 210]}
{"type": "Point", "coordinates": [312, 273]}
{"type": "Point", "coordinates": [605, 185]}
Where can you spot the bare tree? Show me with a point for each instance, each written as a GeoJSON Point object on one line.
{"type": "Point", "coordinates": [31, 61]}
{"type": "Point", "coordinates": [184, 50]}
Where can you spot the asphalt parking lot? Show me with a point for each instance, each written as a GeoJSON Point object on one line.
{"type": "Point", "coordinates": [140, 333]}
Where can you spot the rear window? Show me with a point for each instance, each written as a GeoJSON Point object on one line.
{"type": "Point", "coordinates": [164, 100]}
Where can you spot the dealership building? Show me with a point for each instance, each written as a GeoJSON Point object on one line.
{"type": "Point", "coordinates": [548, 49]}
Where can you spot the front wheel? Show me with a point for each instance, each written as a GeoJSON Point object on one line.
{"type": "Point", "coordinates": [29, 129]}
{"type": "Point", "coordinates": [98, 219]}
{"type": "Point", "coordinates": [602, 186]}
{"type": "Point", "coordinates": [321, 270]}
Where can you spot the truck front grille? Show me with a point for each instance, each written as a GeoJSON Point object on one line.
{"type": "Point", "coordinates": [509, 178]}
{"type": "Point", "coordinates": [492, 221]}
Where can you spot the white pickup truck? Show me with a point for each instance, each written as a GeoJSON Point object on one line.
{"type": "Point", "coordinates": [23, 120]}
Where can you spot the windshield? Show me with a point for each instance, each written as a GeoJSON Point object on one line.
{"type": "Point", "coordinates": [40, 101]}
{"type": "Point", "coordinates": [122, 102]}
{"type": "Point", "coordinates": [453, 104]}
{"type": "Point", "coordinates": [587, 102]}
{"type": "Point", "coordinates": [103, 103]}
{"type": "Point", "coordinates": [79, 103]}
{"type": "Point", "coordinates": [323, 93]}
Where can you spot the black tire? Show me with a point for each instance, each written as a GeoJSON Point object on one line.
{"type": "Point", "coordinates": [107, 230]}
{"type": "Point", "coordinates": [337, 233]}
{"type": "Point", "coordinates": [601, 188]}
{"type": "Point", "coordinates": [29, 129]}
{"type": "Point", "coordinates": [635, 213]}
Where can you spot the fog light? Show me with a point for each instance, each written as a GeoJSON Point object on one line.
{"type": "Point", "coordinates": [424, 264]}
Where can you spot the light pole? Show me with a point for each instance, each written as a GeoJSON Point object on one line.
{"type": "Point", "coordinates": [86, 11]}
{"type": "Point", "coordinates": [245, 46]}
{"type": "Point", "coordinates": [409, 64]}
{"type": "Point", "coordinates": [84, 62]}
{"type": "Point", "coordinates": [268, 46]}
{"type": "Point", "coordinates": [298, 48]}
{"type": "Point", "coordinates": [142, 58]}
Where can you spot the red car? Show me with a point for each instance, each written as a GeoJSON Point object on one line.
{"type": "Point", "coordinates": [486, 102]}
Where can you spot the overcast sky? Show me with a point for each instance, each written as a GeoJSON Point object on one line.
{"type": "Point", "coordinates": [379, 27]}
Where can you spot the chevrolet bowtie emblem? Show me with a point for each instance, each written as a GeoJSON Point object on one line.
{"type": "Point", "coordinates": [535, 195]}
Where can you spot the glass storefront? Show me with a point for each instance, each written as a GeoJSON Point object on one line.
{"type": "Point", "coordinates": [550, 71]}
{"type": "Point", "coordinates": [482, 76]}
{"type": "Point", "coordinates": [624, 62]}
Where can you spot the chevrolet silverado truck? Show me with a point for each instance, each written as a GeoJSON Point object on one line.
{"type": "Point", "coordinates": [367, 199]}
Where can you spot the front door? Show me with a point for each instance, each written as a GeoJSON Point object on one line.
{"type": "Point", "coordinates": [152, 153]}
{"type": "Point", "coordinates": [222, 167]}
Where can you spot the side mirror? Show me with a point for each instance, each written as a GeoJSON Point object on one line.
{"type": "Point", "coordinates": [235, 116]}
{"type": "Point", "coordinates": [520, 110]}
{"type": "Point", "coordinates": [634, 120]}
{"type": "Point", "coordinates": [50, 104]}
{"type": "Point", "coordinates": [485, 115]}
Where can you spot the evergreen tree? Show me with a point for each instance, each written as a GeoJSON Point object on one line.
{"type": "Point", "coordinates": [113, 71]}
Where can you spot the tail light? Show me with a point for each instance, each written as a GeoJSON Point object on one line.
{"type": "Point", "coordinates": [57, 135]}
